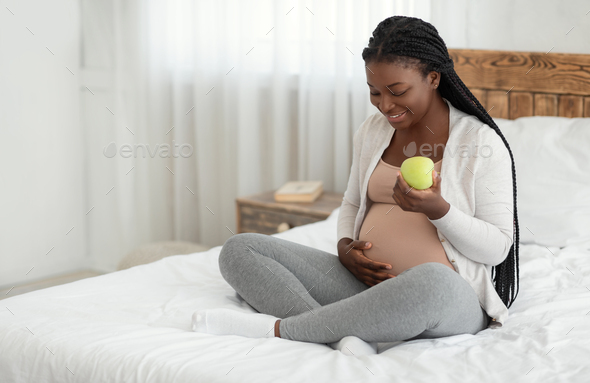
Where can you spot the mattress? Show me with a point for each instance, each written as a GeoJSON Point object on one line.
{"type": "Point", "coordinates": [134, 325]}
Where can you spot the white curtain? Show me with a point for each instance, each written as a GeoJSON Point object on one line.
{"type": "Point", "coordinates": [258, 93]}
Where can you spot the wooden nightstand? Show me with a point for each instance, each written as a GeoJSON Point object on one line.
{"type": "Point", "coordinates": [260, 213]}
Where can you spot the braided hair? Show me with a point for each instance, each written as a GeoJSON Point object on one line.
{"type": "Point", "coordinates": [412, 42]}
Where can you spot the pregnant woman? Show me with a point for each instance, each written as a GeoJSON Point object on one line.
{"type": "Point", "coordinates": [411, 263]}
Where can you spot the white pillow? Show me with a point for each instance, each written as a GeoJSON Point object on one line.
{"type": "Point", "coordinates": [552, 158]}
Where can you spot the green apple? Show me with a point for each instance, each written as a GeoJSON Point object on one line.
{"type": "Point", "coordinates": [417, 171]}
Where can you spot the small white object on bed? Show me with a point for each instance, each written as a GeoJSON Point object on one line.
{"type": "Point", "coordinates": [134, 325]}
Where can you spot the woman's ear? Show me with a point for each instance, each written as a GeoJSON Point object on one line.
{"type": "Point", "coordinates": [434, 79]}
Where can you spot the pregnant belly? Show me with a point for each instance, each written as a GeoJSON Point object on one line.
{"type": "Point", "coordinates": [400, 238]}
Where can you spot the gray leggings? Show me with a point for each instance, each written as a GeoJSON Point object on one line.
{"type": "Point", "coordinates": [321, 301]}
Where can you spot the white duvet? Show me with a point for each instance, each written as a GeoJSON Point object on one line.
{"type": "Point", "coordinates": [135, 326]}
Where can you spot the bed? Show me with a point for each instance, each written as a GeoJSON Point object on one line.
{"type": "Point", "coordinates": [134, 325]}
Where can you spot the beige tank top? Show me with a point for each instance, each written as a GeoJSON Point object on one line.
{"type": "Point", "coordinates": [403, 239]}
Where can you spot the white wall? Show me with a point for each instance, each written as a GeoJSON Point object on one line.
{"type": "Point", "coordinates": [41, 160]}
{"type": "Point", "coordinates": [97, 67]}
{"type": "Point", "coordinates": [520, 25]}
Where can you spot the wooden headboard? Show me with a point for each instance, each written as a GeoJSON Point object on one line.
{"type": "Point", "coordinates": [519, 84]}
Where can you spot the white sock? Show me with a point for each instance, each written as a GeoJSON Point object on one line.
{"type": "Point", "coordinates": [354, 346]}
{"type": "Point", "coordinates": [222, 321]}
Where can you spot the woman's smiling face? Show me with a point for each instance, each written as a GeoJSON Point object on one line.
{"type": "Point", "coordinates": [395, 89]}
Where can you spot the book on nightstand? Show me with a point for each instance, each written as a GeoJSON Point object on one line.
{"type": "Point", "coordinates": [299, 191]}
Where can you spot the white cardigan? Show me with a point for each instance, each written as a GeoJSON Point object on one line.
{"type": "Point", "coordinates": [476, 180]}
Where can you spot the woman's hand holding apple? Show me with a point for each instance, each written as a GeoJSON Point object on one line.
{"type": "Point", "coordinates": [428, 201]}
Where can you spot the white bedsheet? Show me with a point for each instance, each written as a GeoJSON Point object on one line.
{"type": "Point", "coordinates": [134, 326]}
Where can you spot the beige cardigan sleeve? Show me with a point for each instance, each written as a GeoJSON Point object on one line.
{"type": "Point", "coordinates": [487, 236]}
{"type": "Point", "coordinates": [352, 197]}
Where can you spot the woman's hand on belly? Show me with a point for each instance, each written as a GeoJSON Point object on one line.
{"type": "Point", "coordinates": [365, 270]}
{"type": "Point", "coordinates": [428, 201]}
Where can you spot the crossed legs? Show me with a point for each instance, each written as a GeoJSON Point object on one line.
{"type": "Point", "coordinates": [319, 300]}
